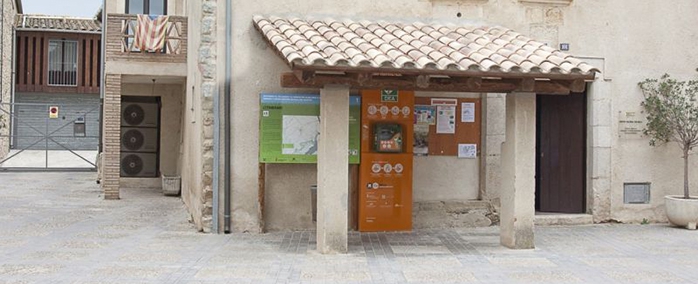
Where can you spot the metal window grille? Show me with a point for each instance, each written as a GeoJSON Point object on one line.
{"type": "Point", "coordinates": [63, 63]}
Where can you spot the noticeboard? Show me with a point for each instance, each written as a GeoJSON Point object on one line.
{"type": "Point", "coordinates": [289, 128]}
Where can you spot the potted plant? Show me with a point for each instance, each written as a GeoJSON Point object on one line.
{"type": "Point", "coordinates": [671, 107]}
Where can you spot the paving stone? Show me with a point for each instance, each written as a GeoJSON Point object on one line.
{"type": "Point", "coordinates": [439, 276]}
{"type": "Point", "coordinates": [521, 261]}
{"type": "Point", "coordinates": [545, 277]}
{"type": "Point", "coordinates": [27, 269]}
{"type": "Point", "coordinates": [55, 255]}
{"type": "Point", "coordinates": [146, 238]}
{"type": "Point", "coordinates": [640, 276]}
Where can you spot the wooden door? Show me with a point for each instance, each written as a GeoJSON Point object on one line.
{"type": "Point", "coordinates": [561, 153]}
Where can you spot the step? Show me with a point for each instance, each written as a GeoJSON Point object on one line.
{"type": "Point", "coordinates": [554, 219]}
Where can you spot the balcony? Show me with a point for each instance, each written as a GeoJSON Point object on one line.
{"type": "Point", "coordinates": [120, 44]}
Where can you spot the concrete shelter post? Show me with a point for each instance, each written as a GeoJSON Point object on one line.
{"type": "Point", "coordinates": [518, 172]}
{"type": "Point", "coordinates": [332, 168]}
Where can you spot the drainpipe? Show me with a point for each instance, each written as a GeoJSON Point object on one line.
{"type": "Point", "coordinates": [102, 75]}
{"type": "Point", "coordinates": [216, 160]}
{"type": "Point", "coordinates": [227, 109]}
{"type": "Point", "coordinates": [13, 81]}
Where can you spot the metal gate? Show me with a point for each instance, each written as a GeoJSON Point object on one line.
{"type": "Point", "coordinates": [49, 137]}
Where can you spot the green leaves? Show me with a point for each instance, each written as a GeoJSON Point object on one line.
{"type": "Point", "coordinates": [672, 111]}
{"type": "Point", "coordinates": [672, 114]}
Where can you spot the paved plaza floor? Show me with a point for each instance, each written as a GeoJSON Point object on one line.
{"type": "Point", "coordinates": [55, 228]}
{"type": "Point", "coordinates": [50, 159]}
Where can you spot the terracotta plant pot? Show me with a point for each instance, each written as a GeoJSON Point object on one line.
{"type": "Point", "coordinates": [682, 212]}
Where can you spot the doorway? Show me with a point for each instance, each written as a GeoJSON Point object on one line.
{"type": "Point", "coordinates": [561, 153]}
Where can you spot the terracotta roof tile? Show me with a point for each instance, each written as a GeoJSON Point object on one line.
{"type": "Point", "coordinates": [433, 48]}
{"type": "Point", "coordinates": [58, 24]}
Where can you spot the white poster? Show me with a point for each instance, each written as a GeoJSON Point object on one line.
{"type": "Point", "coordinates": [467, 112]}
{"type": "Point", "coordinates": [446, 119]}
{"type": "Point", "coordinates": [467, 151]}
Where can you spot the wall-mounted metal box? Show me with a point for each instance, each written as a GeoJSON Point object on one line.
{"type": "Point", "coordinates": [636, 193]}
{"type": "Point", "coordinates": [79, 127]}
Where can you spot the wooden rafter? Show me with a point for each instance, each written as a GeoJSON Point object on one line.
{"type": "Point", "coordinates": [426, 83]}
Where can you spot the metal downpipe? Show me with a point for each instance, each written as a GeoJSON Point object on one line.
{"type": "Point", "coordinates": [13, 81]}
{"type": "Point", "coordinates": [227, 111]}
{"type": "Point", "coordinates": [216, 161]}
{"type": "Point", "coordinates": [102, 75]}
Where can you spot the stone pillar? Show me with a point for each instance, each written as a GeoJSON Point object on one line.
{"type": "Point", "coordinates": [493, 133]}
{"type": "Point", "coordinates": [518, 172]}
{"type": "Point", "coordinates": [332, 169]}
{"type": "Point", "coordinates": [111, 136]}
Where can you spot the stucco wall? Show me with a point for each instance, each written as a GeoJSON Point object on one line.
{"type": "Point", "coordinates": [257, 69]}
{"type": "Point", "coordinates": [8, 14]}
{"type": "Point", "coordinates": [616, 34]}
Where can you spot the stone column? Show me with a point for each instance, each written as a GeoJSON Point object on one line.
{"type": "Point", "coordinates": [518, 172]}
{"type": "Point", "coordinates": [493, 133]}
{"type": "Point", "coordinates": [111, 137]}
{"type": "Point", "coordinates": [332, 168]}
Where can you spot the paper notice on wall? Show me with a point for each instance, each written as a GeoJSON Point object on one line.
{"type": "Point", "coordinates": [467, 151]}
{"type": "Point", "coordinates": [424, 115]}
{"type": "Point", "coordinates": [467, 112]}
{"type": "Point", "coordinates": [446, 119]}
{"type": "Point", "coordinates": [421, 140]}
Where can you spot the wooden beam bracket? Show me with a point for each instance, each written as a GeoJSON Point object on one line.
{"type": "Point", "coordinates": [527, 85]}
{"type": "Point", "coordinates": [422, 81]}
{"type": "Point", "coordinates": [304, 76]}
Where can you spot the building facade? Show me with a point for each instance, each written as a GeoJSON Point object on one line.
{"type": "Point", "coordinates": [230, 60]}
{"type": "Point", "coordinates": [57, 65]}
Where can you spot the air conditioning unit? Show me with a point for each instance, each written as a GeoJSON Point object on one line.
{"type": "Point", "coordinates": [139, 139]}
{"type": "Point", "coordinates": [139, 114]}
{"type": "Point", "coordinates": [139, 165]}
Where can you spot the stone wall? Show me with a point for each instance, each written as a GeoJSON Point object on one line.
{"type": "Point", "coordinates": [207, 59]}
{"type": "Point", "coordinates": [203, 84]}
{"type": "Point", "coordinates": [7, 23]}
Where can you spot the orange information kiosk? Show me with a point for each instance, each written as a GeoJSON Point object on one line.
{"type": "Point", "coordinates": [385, 178]}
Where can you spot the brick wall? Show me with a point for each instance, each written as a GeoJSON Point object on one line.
{"type": "Point", "coordinates": [111, 151]}
{"type": "Point", "coordinates": [115, 46]}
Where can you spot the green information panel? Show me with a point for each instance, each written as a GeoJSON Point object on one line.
{"type": "Point", "coordinates": [289, 128]}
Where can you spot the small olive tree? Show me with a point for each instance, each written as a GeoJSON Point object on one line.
{"type": "Point", "coordinates": [671, 107]}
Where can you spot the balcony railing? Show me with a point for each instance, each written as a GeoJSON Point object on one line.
{"type": "Point", "coordinates": [120, 40]}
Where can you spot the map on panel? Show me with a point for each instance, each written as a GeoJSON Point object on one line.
{"type": "Point", "coordinates": [289, 128]}
{"type": "Point", "coordinates": [300, 134]}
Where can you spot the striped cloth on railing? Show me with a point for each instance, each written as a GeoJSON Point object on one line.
{"type": "Point", "coordinates": [150, 32]}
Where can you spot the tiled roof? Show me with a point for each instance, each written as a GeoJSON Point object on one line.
{"type": "Point", "coordinates": [58, 24]}
{"type": "Point", "coordinates": [432, 49]}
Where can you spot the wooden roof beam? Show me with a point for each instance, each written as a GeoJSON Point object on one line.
{"type": "Point", "coordinates": [475, 85]}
